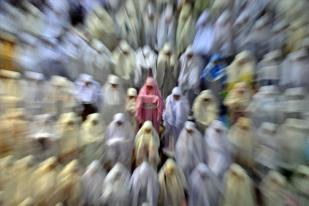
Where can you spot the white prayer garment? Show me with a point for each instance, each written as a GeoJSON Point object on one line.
{"type": "Point", "coordinates": [297, 77]}
{"type": "Point", "coordinates": [92, 138]}
{"type": "Point", "coordinates": [205, 189]}
{"type": "Point", "coordinates": [129, 24]}
{"type": "Point", "coordinates": [175, 115]}
{"type": "Point", "coordinates": [92, 181]}
{"type": "Point", "coordinates": [146, 62]}
{"type": "Point", "coordinates": [301, 183]}
{"type": "Point", "coordinates": [274, 187]}
{"type": "Point", "coordinates": [185, 28]}
{"type": "Point", "coordinates": [87, 90]}
{"type": "Point", "coordinates": [101, 26]}
{"type": "Point", "coordinates": [7, 180]}
{"type": "Point", "coordinates": [190, 67]}
{"type": "Point", "coordinates": [68, 132]}
{"type": "Point", "coordinates": [237, 177]}
{"type": "Point", "coordinates": [266, 151]}
{"type": "Point", "coordinates": [144, 185]}
{"type": "Point", "coordinates": [242, 141]}
{"type": "Point", "coordinates": [147, 144]}
{"type": "Point", "coordinates": [219, 157]}
{"type": "Point", "coordinates": [116, 187]}
{"type": "Point", "coordinates": [150, 24]}
{"type": "Point", "coordinates": [113, 98]}
{"type": "Point", "coordinates": [124, 59]}
{"type": "Point", "coordinates": [131, 106]}
{"type": "Point", "coordinates": [173, 185]}
{"type": "Point", "coordinates": [190, 149]}
{"type": "Point", "coordinates": [291, 139]}
{"type": "Point", "coordinates": [166, 31]}
{"type": "Point", "coordinates": [120, 127]}
{"type": "Point", "coordinates": [205, 109]}
{"type": "Point", "coordinates": [167, 71]}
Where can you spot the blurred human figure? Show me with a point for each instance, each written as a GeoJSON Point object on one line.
{"type": "Point", "coordinates": [144, 185]}
{"type": "Point", "coordinates": [241, 69]}
{"type": "Point", "coordinates": [300, 181]}
{"type": "Point", "coordinates": [116, 186]}
{"type": "Point", "coordinates": [131, 106]}
{"type": "Point", "coordinates": [242, 141]}
{"type": "Point", "coordinates": [205, 189]}
{"type": "Point", "coordinates": [150, 24]}
{"type": "Point", "coordinates": [190, 149]}
{"type": "Point", "coordinates": [146, 62]}
{"type": "Point", "coordinates": [174, 116]}
{"type": "Point", "coordinates": [68, 132]}
{"type": "Point", "coordinates": [88, 95]}
{"type": "Point", "coordinates": [124, 58]}
{"type": "Point", "coordinates": [188, 79]}
{"type": "Point", "coordinates": [166, 31]}
{"type": "Point", "coordinates": [185, 28]}
{"type": "Point", "coordinates": [147, 144]}
{"type": "Point", "coordinates": [11, 84]}
{"type": "Point", "coordinates": [91, 182]}
{"type": "Point", "coordinates": [237, 101]}
{"type": "Point", "coordinates": [218, 152]}
{"type": "Point", "coordinates": [167, 72]}
{"type": "Point", "coordinates": [244, 195]}
{"type": "Point", "coordinates": [173, 184]}
{"type": "Point", "coordinates": [149, 104]}
{"type": "Point", "coordinates": [274, 189]}
{"type": "Point", "coordinates": [92, 138]}
{"type": "Point", "coordinates": [7, 177]}
{"type": "Point", "coordinates": [120, 127]}
{"type": "Point", "coordinates": [113, 98]}
{"type": "Point", "coordinates": [205, 109]}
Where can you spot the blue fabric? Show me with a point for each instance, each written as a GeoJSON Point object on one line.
{"type": "Point", "coordinates": [214, 70]}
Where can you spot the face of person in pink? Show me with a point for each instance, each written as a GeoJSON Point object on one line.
{"type": "Point", "coordinates": [149, 87]}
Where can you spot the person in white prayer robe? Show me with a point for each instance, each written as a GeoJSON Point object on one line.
{"type": "Point", "coordinates": [205, 188]}
{"type": "Point", "coordinates": [173, 185]}
{"type": "Point", "coordinates": [224, 34]}
{"type": "Point", "coordinates": [297, 60]}
{"type": "Point", "coordinates": [167, 71]}
{"type": "Point", "coordinates": [144, 185]}
{"type": "Point", "coordinates": [190, 149]}
{"type": "Point", "coordinates": [295, 103]}
{"type": "Point", "coordinates": [120, 127]}
{"type": "Point", "coordinates": [146, 64]}
{"type": "Point", "coordinates": [69, 184]}
{"type": "Point", "coordinates": [23, 170]}
{"type": "Point", "coordinates": [274, 187]}
{"type": "Point", "coordinates": [166, 31]}
{"type": "Point", "coordinates": [113, 98]}
{"type": "Point", "coordinates": [7, 180]}
{"type": "Point", "coordinates": [116, 187]}
{"type": "Point", "coordinates": [150, 24]}
{"type": "Point", "coordinates": [68, 133]}
{"type": "Point", "coordinates": [241, 139]}
{"type": "Point", "coordinates": [124, 59]}
{"type": "Point", "coordinates": [266, 152]}
{"type": "Point", "coordinates": [92, 182]}
{"type": "Point", "coordinates": [147, 144]}
{"type": "Point", "coordinates": [44, 180]}
{"type": "Point", "coordinates": [237, 101]}
{"type": "Point", "coordinates": [129, 24]}
{"type": "Point", "coordinates": [92, 138]}
{"type": "Point", "coordinates": [205, 109]}
{"type": "Point", "coordinates": [241, 69]}
{"type": "Point", "coordinates": [237, 177]}
{"type": "Point", "coordinates": [265, 106]}
{"type": "Point", "coordinates": [185, 28]}
{"type": "Point", "coordinates": [175, 115]}
{"type": "Point", "coordinates": [219, 157]}
{"type": "Point", "coordinates": [292, 136]}
{"type": "Point", "coordinates": [188, 79]}
{"type": "Point", "coordinates": [300, 181]}
{"type": "Point", "coordinates": [101, 26]}
{"type": "Point", "coordinates": [278, 40]}
{"type": "Point", "coordinates": [131, 106]}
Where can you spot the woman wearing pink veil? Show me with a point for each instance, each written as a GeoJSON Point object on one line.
{"type": "Point", "coordinates": [149, 104]}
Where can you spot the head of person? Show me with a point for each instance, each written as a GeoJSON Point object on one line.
{"type": "Point", "coordinates": [131, 93]}
{"type": "Point", "coordinates": [148, 127]}
{"type": "Point", "coordinates": [176, 93]}
{"type": "Point", "coordinates": [190, 127]}
{"type": "Point", "coordinates": [119, 119]}
{"type": "Point", "coordinates": [114, 81]}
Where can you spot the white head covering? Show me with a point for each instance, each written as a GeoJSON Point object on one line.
{"type": "Point", "coordinates": [113, 96]}
{"type": "Point", "coordinates": [92, 129]}
{"type": "Point", "coordinates": [120, 127]}
{"type": "Point", "coordinates": [144, 185]}
{"type": "Point", "coordinates": [132, 92]}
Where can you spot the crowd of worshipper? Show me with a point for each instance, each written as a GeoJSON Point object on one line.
{"type": "Point", "coordinates": [154, 102]}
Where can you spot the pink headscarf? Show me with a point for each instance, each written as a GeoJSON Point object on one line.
{"type": "Point", "coordinates": [144, 91]}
